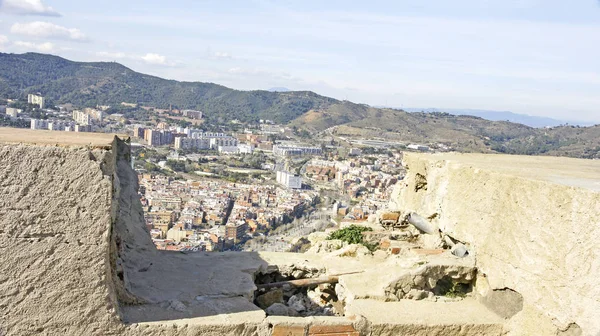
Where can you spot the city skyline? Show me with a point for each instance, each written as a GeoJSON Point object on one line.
{"type": "Point", "coordinates": [532, 57]}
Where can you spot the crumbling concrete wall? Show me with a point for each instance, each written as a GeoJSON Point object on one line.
{"type": "Point", "coordinates": [529, 233]}
{"type": "Point", "coordinates": [55, 224]}
{"type": "Point", "coordinates": [71, 234]}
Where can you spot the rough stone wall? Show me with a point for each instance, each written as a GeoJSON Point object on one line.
{"type": "Point", "coordinates": [54, 236]}
{"type": "Point", "coordinates": [71, 233]}
{"type": "Point", "coordinates": [538, 238]}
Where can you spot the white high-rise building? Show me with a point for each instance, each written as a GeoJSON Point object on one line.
{"type": "Point", "coordinates": [289, 180]}
{"type": "Point", "coordinates": [36, 100]}
{"type": "Point", "coordinates": [82, 118]}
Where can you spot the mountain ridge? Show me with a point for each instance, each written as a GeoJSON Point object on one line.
{"type": "Point", "coordinates": [110, 83]}
{"type": "Point", "coordinates": [492, 115]}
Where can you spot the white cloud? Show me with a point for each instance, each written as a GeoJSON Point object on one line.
{"type": "Point", "coordinates": [221, 55]}
{"type": "Point", "coordinates": [27, 7]}
{"type": "Point", "coordinates": [43, 47]}
{"type": "Point", "coordinates": [113, 55]}
{"type": "Point", "coordinates": [3, 41]}
{"type": "Point", "coordinates": [156, 59]}
{"type": "Point", "coordinates": [47, 30]}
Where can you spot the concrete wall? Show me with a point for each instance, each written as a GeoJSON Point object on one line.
{"type": "Point", "coordinates": [54, 241]}
{"type": "Point", "coordinates": [71, 233]}
{"type": "Point", "coordinates": [530, 233]}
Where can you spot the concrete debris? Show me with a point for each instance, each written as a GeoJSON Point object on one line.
{"type": "Point", "coordinates": [460, 250]}
{"type": "Point", "coordinates": [269, 298]}
{"type": "Point", "coordinates": [431, 281]}
{"type": "Point", "coordinates": [298, 274]}
{"type": "Point", "coordinates": [504, 302]}
{"type": "Point", "coordinates": [326, 246]}
{"type": "Point", "coordinates": [340, 291]}
{"type": "Point", "coordinates": [297, 303]}
{"type": "Point", "coordinates": [352, 250]}
{"type": "Point", "coordinates": [279, 309]}
{"type": "Point", "coordinates": [417, 294]}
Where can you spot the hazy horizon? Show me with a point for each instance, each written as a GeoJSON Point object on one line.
{"type": "Point", "coordinates": [530, 57]}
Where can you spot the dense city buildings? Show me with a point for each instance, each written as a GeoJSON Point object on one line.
{"type": "Point", "coordinates": [211, 214]}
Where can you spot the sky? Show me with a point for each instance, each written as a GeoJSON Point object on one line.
{"type": "Point", "coordinates": [537, 57]}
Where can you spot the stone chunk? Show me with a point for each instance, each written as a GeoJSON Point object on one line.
{"type": "Point", "coordinates": [279, 309]}
{"type": "Point", "coordinates": [269, 298]}
{"type": "Point", "coordinates": [504, 302]}
{"type": "Point", "coordinates": [297, 302]}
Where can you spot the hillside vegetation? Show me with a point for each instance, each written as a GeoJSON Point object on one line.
{"type": "Point", "coordinates": [109, 83]}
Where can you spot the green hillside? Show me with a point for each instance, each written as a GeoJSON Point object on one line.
{"type": "Point", "coordinates": [108, 83]}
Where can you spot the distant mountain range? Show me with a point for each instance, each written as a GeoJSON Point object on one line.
{"type": "Point", "coordinates": [110, 83]}
{"type": "Point", "coordinates": [279, 89]}
{"type": "Point", "coordinates": [529, 120]}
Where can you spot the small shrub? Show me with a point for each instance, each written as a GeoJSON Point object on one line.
{"type": "Point", "coordinates": [352, 235]}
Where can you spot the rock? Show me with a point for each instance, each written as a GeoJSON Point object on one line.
{"type": "Point", "coordinates": [352, 250]}
{"type": "Point", "coordinates": [460, 250]}
{"type": "Point", "coordinates": [298, 274]}
{"type": "Point", "coordinates": [417, 294]}
{"type": "Point", "coordinates": [297, 303]}
{"type": "Point", "coordinates": [292, 312]}
{"type": "Point", "coordinates": [380, 255]}
{"type": "Point", "coordinates": [326, 246]}
{"type": "Point", "coordinates": [269, 298]}
{"type": "Point", "coordinates": [177, 305]}
{"type": "Point", "coordinates": [316, 237]}
{"type": "Point", "coordinates": [314, 296]}
{"type": "Point", "coordinates": [340, 292]}
{"type": "Point", "coordinates": [504, 302]}
{"type": "Point", "coordinates": [420, 281]}
{"type": "Point", "coordinates": [278, 309]}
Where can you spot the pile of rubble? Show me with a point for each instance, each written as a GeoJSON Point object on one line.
{"type": "Point", "coordinates": [300, 292]}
